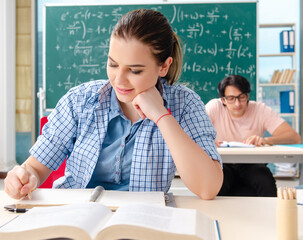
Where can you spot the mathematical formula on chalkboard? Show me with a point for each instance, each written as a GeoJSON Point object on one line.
{"type": "Point", "coordinates": [218, 40]}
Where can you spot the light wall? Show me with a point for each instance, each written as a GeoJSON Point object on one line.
{"type": "Point", "coordinates": [23, 66]}
{"type": "Point", "coordinates": [7, 84]}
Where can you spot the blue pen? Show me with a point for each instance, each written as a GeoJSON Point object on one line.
{"type": "Point", "coordinates": [218, 230]}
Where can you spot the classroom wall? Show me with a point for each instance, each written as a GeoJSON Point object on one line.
{"type": "Point", "coordinates": [24, 80]}
{"type": "Point", "coordinates": [23, 66]}
{"type": "Point", "coordinates": [24, 71]}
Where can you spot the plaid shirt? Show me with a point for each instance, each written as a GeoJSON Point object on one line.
{"type": "Point", "coordinates": [76, 129]}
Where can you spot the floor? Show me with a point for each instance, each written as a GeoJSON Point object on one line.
{"type": "Point", "coordinates": [178, 187]}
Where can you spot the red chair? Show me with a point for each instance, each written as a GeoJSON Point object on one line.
{"type": "Point", "coordinates": [55, 174]}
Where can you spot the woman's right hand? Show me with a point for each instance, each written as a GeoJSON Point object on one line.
{"type": "Point", "coordinates": [20, 181]}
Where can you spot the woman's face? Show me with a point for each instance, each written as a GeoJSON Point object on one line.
{"type": "Point", "coordinates": [131, 68]}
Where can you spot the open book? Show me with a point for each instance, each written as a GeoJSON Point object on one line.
{"type": "Point", "coordinates": [94, 221]}
{"type": "Point", "coordinates": [112, 199]}
{"type": "Point", "coordinates": [236, 144]}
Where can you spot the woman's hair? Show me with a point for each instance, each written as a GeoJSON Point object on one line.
{"type": "Point", "coordinates": [234, 80]}
{"type": "Point", "coordinates": [153, 29]}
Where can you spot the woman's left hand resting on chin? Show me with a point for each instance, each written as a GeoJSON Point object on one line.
{"type": "Point", "coordinates": [149, 104]}
{"type": "Point", "coordinates": [201, 174]}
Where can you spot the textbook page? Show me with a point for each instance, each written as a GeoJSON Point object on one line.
{"type": "Point", "coordinates": [94, 221]}
{"type": "Point", "coordinates": [112, 199]}
{"type": "Point", "coordinates": [76, 221]}
{"type": "Point", "coordinates": [177, 223]}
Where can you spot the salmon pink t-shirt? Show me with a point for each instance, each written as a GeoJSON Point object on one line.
{"type": "Point", "coordinates": [257, 118]}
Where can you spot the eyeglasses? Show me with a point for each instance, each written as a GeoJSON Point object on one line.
{"type": "Point", "coordinates": [242, 98]}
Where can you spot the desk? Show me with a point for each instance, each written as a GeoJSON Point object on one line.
{"type": "Point", "coordinates": [239, 218]}
{"type": "Point", "coordinates": [266, 154]}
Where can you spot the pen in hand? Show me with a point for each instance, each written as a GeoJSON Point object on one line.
{"type": "Point", "coordinates": [29, 195]}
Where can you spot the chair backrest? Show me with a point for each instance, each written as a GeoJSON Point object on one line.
{"type": "Point", "coordinates": [55, 174]}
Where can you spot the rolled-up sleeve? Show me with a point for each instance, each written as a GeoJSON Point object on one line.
{"type": "Point", "coordinates": [59, 133]}
{"type": "Point", "coordinates": [197, 125]}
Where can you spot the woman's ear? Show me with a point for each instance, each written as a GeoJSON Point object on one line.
{"type": "Point", "coordinates": [165, 67]}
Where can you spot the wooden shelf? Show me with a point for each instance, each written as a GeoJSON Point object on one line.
{"type": "Point", "coordinates": [277, 84]}
{"type": "Point", "coordinates": [294, 115]}
{"type": "Point", "coordinates": [277, 25]}
{"type": "Point", "coordinates": [286, 54]}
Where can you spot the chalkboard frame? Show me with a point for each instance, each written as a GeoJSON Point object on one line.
{"type": "Point", "coordinates": [43, 92]}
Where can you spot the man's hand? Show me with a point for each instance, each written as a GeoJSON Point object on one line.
{"type": "Point", "coordinates": [218, 143]}
{"type": "Point", "coordinates": [256, 140]}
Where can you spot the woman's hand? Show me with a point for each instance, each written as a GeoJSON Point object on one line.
{"type": "Point", "coordinates": [149, 104]}
{"type": "Point", "coordinates": [20, 181]}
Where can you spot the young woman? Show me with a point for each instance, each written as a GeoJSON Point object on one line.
{"type": "Point", "coordinates": [132, 131]}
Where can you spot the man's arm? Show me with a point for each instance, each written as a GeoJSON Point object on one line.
{"type": "Point", "coordinates": [284, 134]}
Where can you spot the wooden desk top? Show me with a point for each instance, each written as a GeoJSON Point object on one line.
{"type": "Point", "coordinates": [239, 218]}
{"type": "Point", "coordinates": [266, 150]}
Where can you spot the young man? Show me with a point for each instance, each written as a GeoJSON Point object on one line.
{"type": "Point", "coordinates": [235, 118]}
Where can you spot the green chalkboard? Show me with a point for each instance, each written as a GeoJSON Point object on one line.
{"type": "Point", "coordinates": [219, 40]}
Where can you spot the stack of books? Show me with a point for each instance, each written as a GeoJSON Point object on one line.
{"type": "Point", "coordinates": [282, 77]}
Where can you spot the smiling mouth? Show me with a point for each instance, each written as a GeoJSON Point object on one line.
{"type": "Point", "coordinates": [123, 91]}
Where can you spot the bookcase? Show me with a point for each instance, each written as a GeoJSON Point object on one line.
{"type": "Point", "coordinates": [273, 60]}
{"type": "Point", "coordinates": [269, 85]}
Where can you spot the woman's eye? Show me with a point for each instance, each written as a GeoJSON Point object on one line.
{"type": "Point", "coordinates": [136, 71]}
{"type": "Point", "coordinates": [112, 65]}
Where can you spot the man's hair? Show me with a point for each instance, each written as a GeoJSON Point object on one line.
{"type": "Point", "coordinates": [234, 80]}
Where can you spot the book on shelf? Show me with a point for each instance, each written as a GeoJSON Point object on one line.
{"type": "Point", "coordinates": [287, 75]}
{"type": "Point", "coordinates": [94, 221]}
{"type": "Point", "coordinates": [291, 40]}
{"type": "Point", "coordinates": [287, 101]}
{"type": "Point", "coordinates": [236, 144]}
{"type": "Point", "coordinates": [284, 41]}
{"type": "Point", "coordinates": [287, 41]}
{"type": "Point", "coordinates": [290, 75]}
{"type": "Point", "coordinates": [282, 77]}
{"type": "Point", "coordinates": [275, 77]}
{"type": "Point", "coordinates": [112, 199]}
